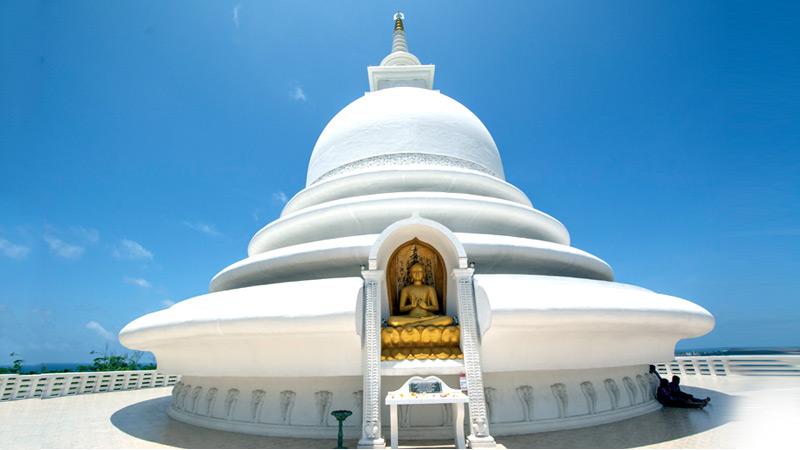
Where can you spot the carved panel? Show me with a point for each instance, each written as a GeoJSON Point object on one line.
{"type": "Point", "coordinates": [256, 403]}
{"type": "Point", "coordinates": [211, 399]}
{"type": "Point", "coordinates": [631, 389]}
{"type": "Point", "coordinates": [644, 385]}
{"type": "Point", "coordinates": [184, 393]}
{"type": "Point", "coordinates": [230, 402]}
{"type": "Point", "coordinates": [176, 392]}
{"type": "Point", "coordinates": [323, 400]}
{"type": "Point", "coordinates": [195, 395]}
{"type": "Point", "coordinates": [591, 396]}
{"type": "Point", "coordinates": [613, 392]}
{"type": "Point", "coordinates": [525, 396]}
{"type": "Point", "coordinates": [287, 405]}
{"type": "Point", "coordinates": [562, 400]}
{"type": "Point", "coordinates": [490, 394]}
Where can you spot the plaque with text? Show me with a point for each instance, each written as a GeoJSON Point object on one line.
{"type": "Point", "coordinates": [425, 387]}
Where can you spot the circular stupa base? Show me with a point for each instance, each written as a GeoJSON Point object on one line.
{"type": "Point", "coordinates": [518, 403]}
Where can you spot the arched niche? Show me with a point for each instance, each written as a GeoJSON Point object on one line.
{"type": "Point", "coordinates": [406, 255]}
{"type": "Point", "coordinates": [432, 233]}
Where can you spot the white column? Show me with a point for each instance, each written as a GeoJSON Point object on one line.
{"type": "Point", "coordinates": [470, 343]}
{"type": "Point", "coordinates": [371, 360]}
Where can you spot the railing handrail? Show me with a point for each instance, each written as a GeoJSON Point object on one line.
{"type": "Point", "coordinates": [727, 365]}
{"type": "Point", "coordinates": [58, 384]}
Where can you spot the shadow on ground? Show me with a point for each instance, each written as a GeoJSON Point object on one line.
{"type": "Point", "coordinates": [666, 424]}
{"type": "Point", "coordinates": [148, 420]}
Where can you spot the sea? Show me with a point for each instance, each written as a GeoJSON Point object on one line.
{"type": "Point", "coordinates": [723, 351]}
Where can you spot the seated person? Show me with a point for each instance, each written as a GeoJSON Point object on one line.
{"type": "Point", "coordinates": [665, 397]}
{"type": "Point", "coordinates": [675, 390]}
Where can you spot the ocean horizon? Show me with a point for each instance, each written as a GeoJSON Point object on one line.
{"type": "Point", "coordinates": [711, 351]}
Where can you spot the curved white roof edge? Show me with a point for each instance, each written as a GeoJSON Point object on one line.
{"type": "Point", "coordinates": [342, 256]}
{"type": "Point", "coordinates": [584, 323]}
{"type": "Point", "coordinates": [382, 180]}
{"type": "Point", "coordinates": [373, 213]}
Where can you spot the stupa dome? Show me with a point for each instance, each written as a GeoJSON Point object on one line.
{"type": "Point", "coordinates": [403, 126]}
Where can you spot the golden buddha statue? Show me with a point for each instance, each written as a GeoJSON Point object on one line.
{"type": "Point", "coordinates": [420, 303]}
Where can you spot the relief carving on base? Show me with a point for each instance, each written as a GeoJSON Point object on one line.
{"type": "Point", "coordinates": [211, 399]}
{"type": "Point", "coordinates": [613, 392]}
{"type": "Point", "coordinates": [631, 389]}
{"type": "Point", "coordinates": [525, 396]}
{"type": "Point", "coordinates": [591, 396]}
{"type": "Point", "coordinates": [560, 393]}
{"type": "Point", "coordinates": [323, 400]}
{"type": "Point", "coordinates": [230, 402]}
{"type": "Point", "coordinates": [287, 405]}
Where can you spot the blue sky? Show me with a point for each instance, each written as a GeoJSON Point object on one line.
{"type": "Point", "coordinates": [143, 143]}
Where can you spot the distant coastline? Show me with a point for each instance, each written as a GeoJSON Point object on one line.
{"type": "Point", "coordinates": [728, 351]}
{"type": "Point", "coordinates": [711, 351]}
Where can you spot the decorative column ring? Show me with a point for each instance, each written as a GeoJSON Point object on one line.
{"type": "Point", "coordinates": [371, 360]}
{"type": "Point", "coordinates": [470, 343]}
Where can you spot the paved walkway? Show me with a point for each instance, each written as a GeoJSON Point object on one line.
{"type": "Point", "coordinates": [744, 412]}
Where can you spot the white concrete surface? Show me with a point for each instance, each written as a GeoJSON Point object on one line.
{"type": "Point", "coordinates": [745, 412]}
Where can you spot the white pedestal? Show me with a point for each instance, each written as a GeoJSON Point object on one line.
{"type": "Point", "coordinates": [403, 396]}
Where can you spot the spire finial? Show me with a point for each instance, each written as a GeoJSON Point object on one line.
{"type": "Point", "coordinates": [400, 67]}
{"type": "Point", "coordinates": [398, 21]}
{"type": "Point", "coordinates": [399, 34]}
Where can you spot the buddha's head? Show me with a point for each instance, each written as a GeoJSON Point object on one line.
{"type": "Point", "coordinates": [417, 273]}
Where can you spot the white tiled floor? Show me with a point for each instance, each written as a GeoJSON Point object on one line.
{"type": "Point", "coordinates": [745, 412]}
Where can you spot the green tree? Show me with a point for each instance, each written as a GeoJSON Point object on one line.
{"type": "Point", "coordinates": [109, 362]}
{"type": "Point", "coordinates": [16, 365]}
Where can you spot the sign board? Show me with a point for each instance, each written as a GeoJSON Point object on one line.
{"type": "Point", "coordinates": [425, 387]}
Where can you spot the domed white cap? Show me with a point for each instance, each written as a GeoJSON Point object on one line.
{"type": "Point", "coordinates": [403, 126]}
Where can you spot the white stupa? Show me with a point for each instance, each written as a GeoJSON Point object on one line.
{"type": "Point", "coordinates": [293, 331]}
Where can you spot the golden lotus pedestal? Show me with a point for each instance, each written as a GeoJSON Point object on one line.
{"type": "Point", "coordinates": [421, 342]}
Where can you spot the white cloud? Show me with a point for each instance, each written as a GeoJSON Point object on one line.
{"type": "Point", "coordinates": [87, 234]}
{"type": "Point", "coordinates": [141, 282]}
{"type": "Point", "coordinates": [63, 249]}
{"type": "Point", "coordinates": [236, 15]}
{"type": "Point", "coordinates": [297, 93]}
{"type": "Point", "coordinates": [203, 228]}
{"type": "Point", "coordinates": [280, 197]}
{"type": "Point", "coordinates": [13, 250]}
{"type": "Point", "coordinates": [97, 328]}
{"type": "Point", "coordinates": [128, 249]}
{"type": "Point", "coordinates": [167, 303]}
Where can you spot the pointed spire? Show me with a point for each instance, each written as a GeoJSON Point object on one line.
{"type": "Point", "coordinates": [400, 55]}
{"type": "Point", "coordinates": [399, 34]}
{"type": "Point", "coordinates": [400, 68]}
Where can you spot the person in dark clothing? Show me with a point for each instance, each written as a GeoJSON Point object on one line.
{"type": "Point", "coordinates": [675, 390]}
{"type": "Point", "coordinates": [665, 397]}
{"type": "Point", "coordinates": [668, 397]}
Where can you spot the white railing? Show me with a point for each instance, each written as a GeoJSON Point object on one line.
{"type": "Point", "coordinates": [47, 385]}
{"type": "Point", "coordinates": [749, 365]}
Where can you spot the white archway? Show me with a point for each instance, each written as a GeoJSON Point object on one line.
{"type": "Point", "coordinates": [429, 231]}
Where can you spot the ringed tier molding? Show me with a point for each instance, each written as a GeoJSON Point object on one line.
{"type": "Point", "coordinates": [284, 336]}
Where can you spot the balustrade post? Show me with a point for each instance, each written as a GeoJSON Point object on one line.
{"type": "Point", "coordinates": [371, 433]}
{"type": "Point", "coordinates": [470, 343]}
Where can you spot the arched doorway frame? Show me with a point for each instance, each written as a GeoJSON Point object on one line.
{"type": "Point", "coordinates": [429, 231]}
